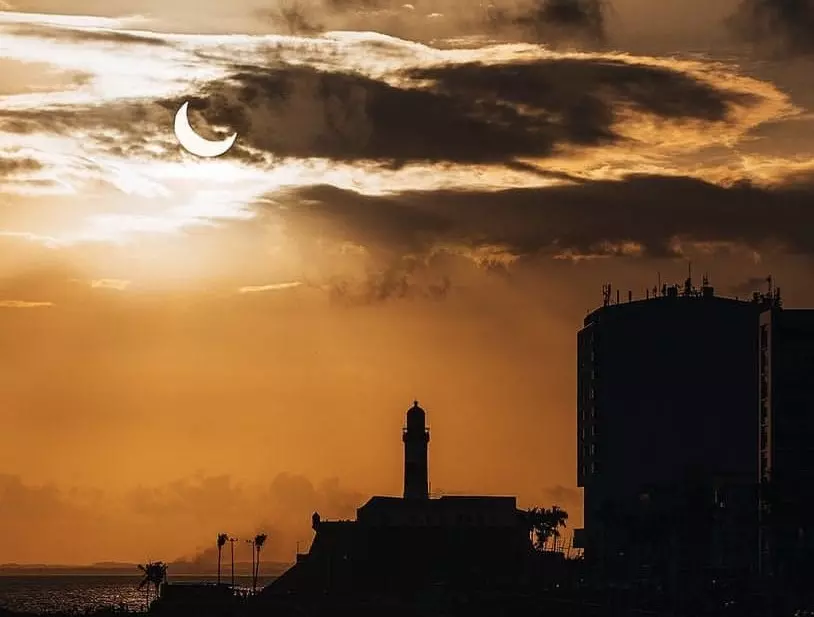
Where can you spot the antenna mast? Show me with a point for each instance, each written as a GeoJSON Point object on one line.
{"type": "Point", "coordinates": [606, 294]}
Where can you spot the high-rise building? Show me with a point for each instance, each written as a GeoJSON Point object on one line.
{"type": "Point", "coordinates": [666, 434]}
{"type": "Point", "coordinates": [786, 408]}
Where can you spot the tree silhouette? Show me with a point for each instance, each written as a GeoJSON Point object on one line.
{"type": "Point", "coordinates": [259, 541]}
{"type": "Point", "coordinates": [222, 537]}
{"type": "Point", "coordinates": [544, 524]}
{"type": "Point", "coordinates": [155, 573]}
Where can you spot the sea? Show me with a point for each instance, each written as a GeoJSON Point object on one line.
{"type": "Point", "coordinates": [79, 593]}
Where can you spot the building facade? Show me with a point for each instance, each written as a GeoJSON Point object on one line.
{"type": "Point", "coordinates": [786, 459]}
{"type": "Point", "coordinates": [666, 434]}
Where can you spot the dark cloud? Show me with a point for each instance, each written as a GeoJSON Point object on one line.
{"type": "Point", "coordinates": [404, 278]}
{"type": "Point", "coordinates": [93, 36]}
{"type": "Point", "coordinates": [461, 113]}
{"type": "Point", "coordinates": [471, 113]}
{"type": "Point", "coordinates": [552, 20]}
{"type": "Point", "coordinates": [141, 125]}
{"type": "Point", "coordinates": [596, 218]}
{"type": "Point", "coordinates": [548, 21]}
{"type": "Point", "coordinates": [355, 5]}
{"type": "Point", "coordinates": [296, 16]}
{"type": "Point", "coordinates": [780, 26]}
{"type": "Point", "coordinates": [10, 165]}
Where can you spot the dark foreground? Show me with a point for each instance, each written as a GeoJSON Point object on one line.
{"type": "Point", "coordinates": [450, 603]}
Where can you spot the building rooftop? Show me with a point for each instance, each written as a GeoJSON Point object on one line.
{"type": "Point", "coordinates": [669, 296]}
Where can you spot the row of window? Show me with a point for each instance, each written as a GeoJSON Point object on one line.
{"type": "Point", "coordinates": [592, 431]}
{"type": "Point", "coordinates": [591, 469]}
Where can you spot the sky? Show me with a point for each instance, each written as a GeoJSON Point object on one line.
{"type": "Point", "coordinates": [423, 202]}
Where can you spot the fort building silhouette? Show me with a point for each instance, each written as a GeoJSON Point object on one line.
{"type": "Point", "coordinates": [413, 540]}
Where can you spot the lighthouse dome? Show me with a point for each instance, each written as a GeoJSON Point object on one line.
{"type": "Point", "coordinates": [415, 416]}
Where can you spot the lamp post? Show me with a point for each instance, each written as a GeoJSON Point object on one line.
{"type": "Point", "coordinates": [232, 545]}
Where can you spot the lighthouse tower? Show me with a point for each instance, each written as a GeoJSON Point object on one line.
{"type": "Point", "coordinates": [416, 437]}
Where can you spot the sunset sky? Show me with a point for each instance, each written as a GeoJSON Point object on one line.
{"type": "Point", "coordinates": [423, 202]}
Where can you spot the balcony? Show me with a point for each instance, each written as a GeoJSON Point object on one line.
{"type": "Point", "coordinates": [413, 433]}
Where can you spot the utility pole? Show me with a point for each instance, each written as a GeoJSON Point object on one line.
{"type": "Point", "coordinates": [232, 545]}
{"type": "Point", "coordinates": [253, 545]}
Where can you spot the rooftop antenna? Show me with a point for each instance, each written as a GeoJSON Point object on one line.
{"type": "Point", "coordinates": [606, 294]}
{"type": "Point", "coordinates": [688, 282]}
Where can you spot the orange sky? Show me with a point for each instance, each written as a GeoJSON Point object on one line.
{"type": "Point", "coordinates": [201, 346]}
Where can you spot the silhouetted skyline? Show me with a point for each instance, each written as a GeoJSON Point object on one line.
{"type": "Point", "coordinates": [424, 201]}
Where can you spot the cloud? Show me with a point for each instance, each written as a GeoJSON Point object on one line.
{"type": "Point", "coordinates": [407, 103]}
{"type": "Point", "coordinates": [273, 287]}
{"type": "Point", "coordinates": [110, 284]}
{"type": "Point", "coordinates": [570, 499]}
{"type": "Point", "coordinates": [640, 215]}
{"type": "Point", "coordinates": [171, 520]}
{"type": "Point", "coordinates": [282, 508]}
{"type": "Point", "coordinates": [401, 279]}
{"type": "Point", "coordinates": [109, 37]}
{"type": "Point", "coordinates": [13, 165]}
{"type": "Point", "coordinates": [781, 26]}
{"type": "Point", "coordinates": [362, 111]}
{"type": "Point", "coordinates": [448, 113]}
{"type": "Point", "coordinates": [23, 304]}
{"type": "Point", "coordinates": [552, 20]}
{"type": "Point", "coordinates": [548, 21]}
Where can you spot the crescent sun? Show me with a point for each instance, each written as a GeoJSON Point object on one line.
{"type": "Point", "coordinates": [196, 144]}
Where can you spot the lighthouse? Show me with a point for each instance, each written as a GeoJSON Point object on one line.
{"type": "Point", "coordinates": [416, 437]}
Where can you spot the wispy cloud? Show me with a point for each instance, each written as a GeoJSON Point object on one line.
{"type": "Point", "coordinates": [272, 287]}
{"type": "Point", "coordinates": [110, 284]}
{"type": "Point", "coordinates": [779, 26]}
{"type": "Point", "coordinates": [23, 304]}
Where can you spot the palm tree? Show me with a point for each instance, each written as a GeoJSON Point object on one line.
{"type": "Point", "coordinates": [544, 524]}
{"type": "Point", "coordinates": [155, 573]}
{"type": "Point", "coordinates": [259, 541]}
{"type": "Point", "coordinates": [222, 537]}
